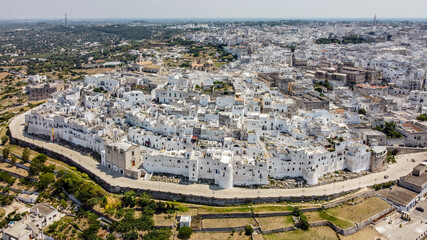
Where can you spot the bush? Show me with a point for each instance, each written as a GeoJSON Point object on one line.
{"type": "Point", "coordinates": [304, 223]}
{"type": "Point", "coordinates": [383, 185]}
{"type": "Point", "coordinates": [249, 230]}
{"type": "Point", "coordinates": [4, 140]}
{"type": "Point", "coordinates": [362, 111]}
{"type": "Point", "coordinates": [184, 232]}
{"type": "Point", "coordinates": [422, 118]}
{"type": "Point", "coordinates": [25, 155]}
{"type": "Point", "coordinates": [161, 234]}
{"type": "Point", "coordinates": [37, 164]}
{"type": "Point", "coordinates": [6, 152]}
{"type": "Point", "coordinates": [45, 179]}
{"type": "Point", "coordinates": [132, 235]}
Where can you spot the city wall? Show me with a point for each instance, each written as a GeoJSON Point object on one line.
{"type": "Point", "coordinates": [161, 195]}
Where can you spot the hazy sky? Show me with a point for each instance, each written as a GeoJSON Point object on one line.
{"type": "Point", "coordinates": [101, 9]}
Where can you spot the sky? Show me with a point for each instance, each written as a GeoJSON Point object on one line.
{"type": "Point", "coordinates": [173, 9]}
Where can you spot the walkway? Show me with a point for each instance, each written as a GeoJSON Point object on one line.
{"type": "Point", "coordinates": [403, 166]}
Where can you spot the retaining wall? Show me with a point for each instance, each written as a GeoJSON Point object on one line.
{"type": "Point", "coordinates": [169, 196]}
{"type": "Point", "coordinates": [406, 150]}
{"type": "Point", "coordinates": [362, 195]}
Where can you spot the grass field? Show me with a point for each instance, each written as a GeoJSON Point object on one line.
{"type": "Point", "coordinates": [219, 236]}
{"type": "Point", "coordinates": [325, 233]}
{"type": "Point", "coordinates": [360, 211]}
{"type": "Point", "coordinates": [164, 219]}
{"type": "Point", "coordinates": [337, 221]}
{"type": "Point", "coordinates": [268, 223]}
{"type": "Point", "coordinates": [239, 209]}
{"type": "Point", "coordinates": [227, 222]}
{"type": "Point", "coordinates": [313, 216]}
{"type": "Point", "coordinates": [264, 209]}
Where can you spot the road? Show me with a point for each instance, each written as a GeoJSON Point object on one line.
{"type": "Point", "coordinates": [403, 166]}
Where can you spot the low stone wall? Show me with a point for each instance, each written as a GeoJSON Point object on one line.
{"type": "Point", "coordinates": [319, 223]}
{"type": "Point", "coordinates": [220, 229]}
{"type": "Point", "coordinates": [310, 209]}
{"type": "Point", "coordinates": [225, 215]}
{"type": "Point", "coordinates": [285, 229]}
{"type": "Point", "coordinates": [362, 195]}
{"type": "Point", "coordinates": [406, 150]}
{"type": "Point", "coordinates": [345, 232]}
{"type": "Point", "coordinates": [272, 214]}
{"type": "Point", "coordinates": [363, 224]}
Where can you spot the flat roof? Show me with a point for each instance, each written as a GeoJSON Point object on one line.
{"type": "Point", "coordinates": [398, 195]}
{"type": "Point", "coordinates": [43, 209]}
{"type": "Point", "coordinates": [418, 181]}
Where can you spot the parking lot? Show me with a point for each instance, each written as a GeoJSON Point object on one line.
{"type": "Point", "coordinates": [419, 214]}
{"type": "Point", "coordinates": [400, 229]}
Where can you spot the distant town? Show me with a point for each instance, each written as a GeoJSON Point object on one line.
{"type": "Point", "coordinates": [281, 129]}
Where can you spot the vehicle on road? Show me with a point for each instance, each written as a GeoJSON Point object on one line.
{"type": "Point", "coordinates": [419, 209]}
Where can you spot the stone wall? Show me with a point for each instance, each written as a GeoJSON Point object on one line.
{"type": "Point", "coordinates": [168, 196]}
{"type": "Point", "coordinates": [285, 229]}
{"type": "Point", "coordinates": [362, 195]}
{"type": "Point", "coordinates": [225, 215]}
{"type": "Point", "coordinates": [406, 150]}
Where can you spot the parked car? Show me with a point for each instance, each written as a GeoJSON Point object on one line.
{"type": "Point", "coordinates": [419, 209]}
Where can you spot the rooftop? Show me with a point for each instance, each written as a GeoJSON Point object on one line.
{"type": "Point", "coordinates": [398, 195]}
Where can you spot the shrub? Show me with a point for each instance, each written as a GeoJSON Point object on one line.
{"type": "Point", "coordinates": [25, 155]}
{"type": "Point", "coordinates": [362, 111]}
{"type": "Point", "coordinates": [184, 232]}
{"type": "Point", "coordinates": [249, 230]}
{"type": "Point", "coordinates": [6, 152]}
{"type": "Point", "coordinates": [422, 118]}
{"type": "Point", "coordinates": [4, 140]}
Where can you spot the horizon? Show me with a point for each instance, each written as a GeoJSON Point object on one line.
{"type": "Point", "coordinates": [225, 19]}
{"type": "Point", "coordinates": [202, 9]}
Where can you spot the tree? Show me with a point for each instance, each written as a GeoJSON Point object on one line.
{"type": "Point", "coordinates": [111, 237]}
{"type": "Point", "coordinates": [390, 130]}
{"type": "Point", "coordinates": [88, 192]}
{"type": "Point", "coordinates": [37, 164]}
{"type": "Point", "coordinates": [6, 152]}
{"type": "Point", "coordinates": [249, 230]}
{"type": "Point", "coordinates": [161, 234]}
{"type": "Point", "coordinates": [362, 111]}
{"type": "Point", "coordinates": [45, 179]}
{"type": "Point", "coordinates": [4, 140]}
{"type": "Point", "coordinates": [304, 223]}
{"type": "Point", "coordinates": [319, 89]}
{"type": "Point", "coordinates": [132, 235]}
{"type": "Point", "coordinates": [422, 118]}
{"type": "Point", "coordinates": [13, 159]}
{"type": "Point", "coordinates": [185, 232]}
{"type": "Point", "coordinates": [128, 199]}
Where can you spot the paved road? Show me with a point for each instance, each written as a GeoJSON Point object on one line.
{"type": "Point", "coordinates": [403, 166]}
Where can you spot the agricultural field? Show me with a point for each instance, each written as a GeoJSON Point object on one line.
{"type": "Point", "coordinates": [360, 211]}
{"type": "Point", "coordinates": [215, 236]}
{"type": "Point", "coordinates": [269, 223]}
{"type": "Point", "coordinates": [227, 222]}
